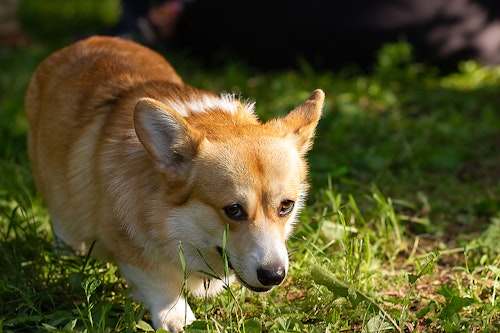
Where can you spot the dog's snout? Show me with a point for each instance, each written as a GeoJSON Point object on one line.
{"type": "Point", "coordinates": [271, 275]}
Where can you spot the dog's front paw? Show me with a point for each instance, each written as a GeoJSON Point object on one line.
{"type": "Point", "coordinates": [174, 318]}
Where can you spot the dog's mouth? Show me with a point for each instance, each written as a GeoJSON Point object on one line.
{"type": "Point", "coordinates": [249, 286]}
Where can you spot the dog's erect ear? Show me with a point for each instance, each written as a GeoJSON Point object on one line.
{"type": "Point", "coordinates": [167, 137]}
{"type": "Point", "coordinates": [300, 123]}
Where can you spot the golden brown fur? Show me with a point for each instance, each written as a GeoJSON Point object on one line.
{"type": "Point", "coordinates": [129, 157]}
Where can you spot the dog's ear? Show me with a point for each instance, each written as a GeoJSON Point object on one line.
{"type": "Point", "coordinates": [301, 122]}
{"type": "Point", "coordinates": [167, 137]}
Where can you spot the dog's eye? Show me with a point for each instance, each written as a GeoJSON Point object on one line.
{"type": "Point", "coordinates": [286, 207]}
{"type": "Point", "coordinates": [235, 212]}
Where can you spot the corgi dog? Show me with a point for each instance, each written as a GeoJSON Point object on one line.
{"type": "Point", "coordinates": [174, 184]}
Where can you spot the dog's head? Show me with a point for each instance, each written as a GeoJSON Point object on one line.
{"type": "Point", "coordinates": [228, 169]}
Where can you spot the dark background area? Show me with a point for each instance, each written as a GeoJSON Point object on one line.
{"type": "Point", "coordinates": [330, 34]}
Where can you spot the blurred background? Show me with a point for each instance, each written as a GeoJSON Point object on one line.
{"type": "Point", "coordinates": [272, 34]}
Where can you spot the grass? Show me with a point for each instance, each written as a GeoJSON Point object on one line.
{"type": "Point", "coordinates": [401, 230]}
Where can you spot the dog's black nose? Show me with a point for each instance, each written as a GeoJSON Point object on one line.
{"type": "Point", "coordinates": [271, 275]}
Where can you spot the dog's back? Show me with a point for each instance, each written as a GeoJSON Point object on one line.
{"type": "Point", "coordinates": [71, 100]}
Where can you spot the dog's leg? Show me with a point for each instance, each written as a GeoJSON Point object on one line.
{"type": "Point", "coordinates": [162, 295]}
{"type": "Point", "coordinates": [173, 317]}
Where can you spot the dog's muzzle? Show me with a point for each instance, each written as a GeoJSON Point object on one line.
{"type": "Point", "coordinates": [269, 276]}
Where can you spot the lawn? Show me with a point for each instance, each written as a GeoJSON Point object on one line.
{"type": "Point", "coordinates": [402, 228]}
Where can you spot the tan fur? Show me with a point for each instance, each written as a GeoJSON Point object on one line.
{"type": "Point", "coordinates": [129, 157]}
